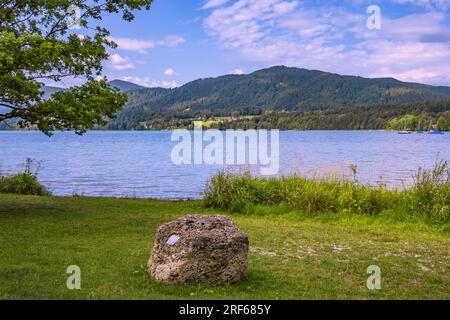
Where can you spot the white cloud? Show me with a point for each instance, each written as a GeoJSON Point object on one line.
{"type": "Point", "coordinates": [169, 72]}
{"type": "Point", "coordinates": [121, 67]}
{"type": "Point", "coordinates": [167, 84]}
{"type": "Point", "coordinates": [412, 28]}
{"type": "Point", "coordinates": [213, 3]}
{"type": "Point", "coordinates": [143, 45]}
{"type": "Point", "coordinates": [413, 47]}
{"type": "Point", "coordinates": [147, 82]}
{"type": "Point", "coordinates": [133, 44]}
{"type": "Point", "coordinates": [237, 71]}
{"type": "Point", "coordinates": [117, 59]}
{"type": "Point", "coordinates": [443, 4]}
{"type": "Point", "coordinates": [117, 62]}
{"type": "Point", "coordinates": [171, 41]}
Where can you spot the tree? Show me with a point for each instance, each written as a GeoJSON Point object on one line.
{"type": "Point", "coordinates": [442, 124]}
{"type": "Point", "coordinates": [37, 44]}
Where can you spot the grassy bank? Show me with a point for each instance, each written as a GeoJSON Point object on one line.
{"type": "Point", "coordinates": [427, 200]}
{"type": "Point", "coordinates": [294, 255]}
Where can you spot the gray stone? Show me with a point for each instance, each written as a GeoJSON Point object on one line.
{"type": "Point", "coordinates": [199, 248]}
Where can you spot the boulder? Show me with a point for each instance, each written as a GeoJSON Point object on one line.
{"type": "Point", "coordinates": [199, 248]}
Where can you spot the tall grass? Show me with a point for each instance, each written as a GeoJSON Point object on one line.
{"type": "Point", "coordinates": [431, 192]}
{"type": "Point", "coordinates": [429, 197]}
{"type": "Point", "coordinates": [25, 182]}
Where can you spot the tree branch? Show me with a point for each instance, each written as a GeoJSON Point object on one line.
{"type": "Point", "coordinates": [20, 21]}
{"type": "Point", "coordinates": [51, 76]}
{"type": "Point", "coordinates": [13, 8]}
{"type": "Point", "coordinates": [9, 106]}
{"type": "Point", "coordinates": [54, 28]}
{"type": "Point", "coordinates": [7, 116]}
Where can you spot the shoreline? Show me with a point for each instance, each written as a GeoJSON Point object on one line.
{"type": "Point", "coordinates": [206, 129]}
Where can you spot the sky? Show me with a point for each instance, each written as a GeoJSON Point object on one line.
{"type": "Point", "coordinates": [178, 41]}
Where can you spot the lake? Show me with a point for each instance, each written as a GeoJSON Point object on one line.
{"type": "Point", "coordinates": [138, 163]}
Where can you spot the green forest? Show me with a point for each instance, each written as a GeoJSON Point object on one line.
{"type": "Point", "coordinates": [281, 98]}
{"type": "Point", "coordinates": [286, 98]}
{"type": "Point", "coordinates": [403, 116]}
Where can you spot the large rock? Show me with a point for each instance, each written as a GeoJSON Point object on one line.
{"type": "Point", "coordinates": [199, 248]}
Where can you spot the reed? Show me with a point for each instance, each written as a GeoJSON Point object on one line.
{"type": "Point", "coordinates": [428, 198]}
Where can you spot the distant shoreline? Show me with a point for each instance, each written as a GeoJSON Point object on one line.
{"type": "Point", "coordinates": [205, 129]}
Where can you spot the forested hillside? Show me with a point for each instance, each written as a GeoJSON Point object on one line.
{"type": "Point", "coordinates": [277, 89]}
{"type": "Point", "coordinates": [412, 116]}
{"type": "Point", "coordinates": [125, 86]}
{"type": "Point", "coordinates": [281, 98]}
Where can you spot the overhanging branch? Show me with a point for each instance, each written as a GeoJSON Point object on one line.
{"type": "Point", "coordinates": [10, 106]}
{"type": "Point", "coordinates": [7, 116]}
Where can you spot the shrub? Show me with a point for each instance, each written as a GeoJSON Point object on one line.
{"type": "Point", "coordinates": [429, 197]}
{"type": "Point", "coordinates": [23, 183]}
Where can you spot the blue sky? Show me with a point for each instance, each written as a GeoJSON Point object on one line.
{"type": "Point", "coordinates": [178, 41]}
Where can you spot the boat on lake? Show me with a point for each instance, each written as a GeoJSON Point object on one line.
{"type": "Point", "coordinates": [419, 127]}
{"type": "Point", "coordinates": [404, 130]}
{"type": "Point", "coordinates": [431, 131]}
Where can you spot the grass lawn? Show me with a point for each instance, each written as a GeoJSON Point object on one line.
{"type": "Point", "coordinates": [218, 120]}
{"type": "Point", "coordinates": [292, 256]}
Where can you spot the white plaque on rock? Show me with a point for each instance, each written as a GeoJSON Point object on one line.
{"type": "Point", "coordinates": [173, 239]}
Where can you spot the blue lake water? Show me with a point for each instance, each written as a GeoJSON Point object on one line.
{"type": "Point", "coordinates": [138, 163]}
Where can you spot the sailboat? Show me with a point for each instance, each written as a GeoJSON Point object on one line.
{"type": "Point", "coordinates": [434, 131]}
{"type": "Point", "coordinates": [404, 131]}
{"type": "Point", "coordinates": [419, 127]}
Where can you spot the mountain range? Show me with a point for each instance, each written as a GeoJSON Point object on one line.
{"type": "Point", "coordinates": [284, 88]}
{"type": "Point", "coordinates": [125, 86]}
{"type": "Point", "coordinates": [277, 88]}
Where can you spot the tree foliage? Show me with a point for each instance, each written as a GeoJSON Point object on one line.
{"type": "Point", "coordinates": [37, 45]}
{"type": "Point", "coordinates": [406, 116]}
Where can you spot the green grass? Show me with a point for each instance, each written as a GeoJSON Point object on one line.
{"type": "Point", "coordinates": [293, 255]}
{"type": "Point", "coordinates": [222, 120]}
{"type": "Point", "coordinates": [428, 199]}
